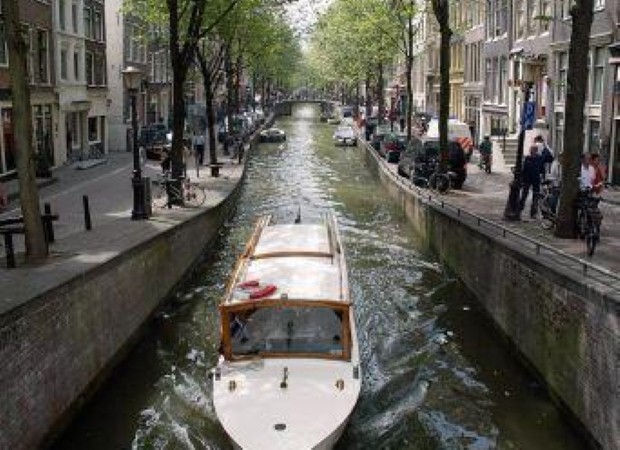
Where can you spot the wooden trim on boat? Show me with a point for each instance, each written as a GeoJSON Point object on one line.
{"type": "Point", "coordinates": [346, 338]}
{"type": "Point", "coordinates": [275, 302]}
{"type": "Point", "coordinates": [261, 223]}
{"type": "Point", "coordinates": [286, 355]}
{"type": "Point", "coordinates": [292, 253]}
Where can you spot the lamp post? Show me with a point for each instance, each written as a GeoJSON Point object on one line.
{"type": "Point", "coordinates": [512, 211]}
{"type": "Point", "coordinates": [132, 79]}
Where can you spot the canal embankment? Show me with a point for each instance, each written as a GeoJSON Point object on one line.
{"type": "Point", "coordinates": [64, 324]}
{"type": "Point", "coordinates": [559, 311]}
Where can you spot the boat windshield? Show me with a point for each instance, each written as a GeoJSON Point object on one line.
{"type": "Point", "coordinates": [294, 330]}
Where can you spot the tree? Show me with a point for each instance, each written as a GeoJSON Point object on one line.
{"type": "Point", "coordinates": [36, 246]}
{"type": "Point", "coordinates": [441, 8]}
{"type": "Point", "coordinates": [577, 82]}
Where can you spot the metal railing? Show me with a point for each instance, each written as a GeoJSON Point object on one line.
{"type": "Point", "coordinates": [586, 268]}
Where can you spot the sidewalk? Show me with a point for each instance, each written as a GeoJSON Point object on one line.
{"type": "Point", "coordinates": [486, 195]}
{"type": "Point", "coordinates": [110, 194]}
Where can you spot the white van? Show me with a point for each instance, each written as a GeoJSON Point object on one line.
{"type": "Point", "coordinates": [457, 131]}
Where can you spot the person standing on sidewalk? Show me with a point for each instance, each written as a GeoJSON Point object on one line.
{"type": "Point", "coordinates": [486, 152]}
{"type": "Point", "coordinates": [199, 147]}
{"type": "Point", "coordinates": [545, 152]}
{"type": "Point", "coordinates": [531, 173]}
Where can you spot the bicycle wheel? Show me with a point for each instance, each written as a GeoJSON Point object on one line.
{"type": "Point", "coordinates": [582, 226]}
{"type": "Point", "coordinates": [439, 182]}
{"type": "Point", "coordinates": [592, 238]}
{"type": "Point", "coordinates": [194, 196]}
{"type": "Point", "coordinates": [159, 197]}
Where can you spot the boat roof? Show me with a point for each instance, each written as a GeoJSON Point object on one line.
{"type": "Point", "coordinates": [300, 260]}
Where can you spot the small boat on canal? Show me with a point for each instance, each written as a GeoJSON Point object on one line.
{"type": "Point", "coordinates": [289, 375]}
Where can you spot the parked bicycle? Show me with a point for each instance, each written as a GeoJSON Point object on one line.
{"type": "Point", "coordinates": [548, 204]}
{"type": "Point", "coordinates": [589, 218]}
{"type": "Point", "coordinates": [166, 190]}
{"type": "Point", "coordinates": [427, 175]}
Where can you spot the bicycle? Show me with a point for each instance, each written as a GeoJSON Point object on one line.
{"type": "Point", "coordinates": [165, 191]}
{"type": "Point", "coordinates": [427, 175]}
{"type": "Point", "coordinates": [548, 203]}
{"type": "Point", "coordinates": [589, 219]}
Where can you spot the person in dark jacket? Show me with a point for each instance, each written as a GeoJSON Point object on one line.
{"type": "Point", "coordinates": [531, 176]}
{"type": "Point", "coordinates": [546, 154]}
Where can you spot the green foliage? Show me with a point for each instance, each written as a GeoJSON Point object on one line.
{"type": "Point", "coordinates": [351, 39]}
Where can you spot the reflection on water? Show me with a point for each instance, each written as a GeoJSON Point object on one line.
{"type": "Point", "coordinates": [435, 373]}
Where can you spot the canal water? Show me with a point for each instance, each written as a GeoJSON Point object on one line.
{"type": "Point", "coordinates": [436, 374]}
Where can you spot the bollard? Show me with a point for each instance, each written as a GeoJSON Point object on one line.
{"type": "Point", "coordinates": [87, 222]}
{"type": "Point", "coordinates": [48, 226]}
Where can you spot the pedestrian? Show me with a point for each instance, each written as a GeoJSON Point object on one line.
{"type": "Point", "coordinates": [531, 176]}
{"type": "Point", "coordinates": [555, 181]}
{"type": "Point", "coordinates": [199, 147]}
{"type": "Point", "coordinates": [486, 152]}
{"type": "Point", "coordinates": [545, 152]}
{"type": "Point", "coordinates": [598, 181]}
{"type": "Point", "coordinates": [586, 180]}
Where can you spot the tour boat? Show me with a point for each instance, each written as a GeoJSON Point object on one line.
{"type": "Point", "coordinates": [289, 375]}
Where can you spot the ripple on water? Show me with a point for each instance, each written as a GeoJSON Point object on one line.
{"type": "Point", "coordinates": [434, 375]}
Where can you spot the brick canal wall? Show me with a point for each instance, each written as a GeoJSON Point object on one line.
{"type": "Point", "coordinates": [55, 349]}
{"type": "Point", "coordinates": [565, 327]}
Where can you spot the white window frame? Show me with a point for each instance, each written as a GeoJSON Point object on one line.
{"type": "Point", "coordinates": [594, 69]}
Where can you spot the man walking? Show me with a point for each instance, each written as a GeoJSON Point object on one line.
{"type": "Point", "coordinates": [545, 152]}
{"type": "Point", "coordinates": [531, 173]}
{"type": "Point", "coordinates": [199, 147]}
{"type": "Point", "coordinates": [486, 152]}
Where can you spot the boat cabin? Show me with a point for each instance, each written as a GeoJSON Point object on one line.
{"type": "Point", "coordinates": [288, 297]}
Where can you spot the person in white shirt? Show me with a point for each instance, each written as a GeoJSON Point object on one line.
{"type": "Point", "coordinates": [555, 180]}
{"type": "Point", "coordinates": [199, 147]}
{"type": "Point", "coordinates": [588, 173]}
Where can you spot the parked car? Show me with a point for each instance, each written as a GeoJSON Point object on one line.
{"type": "Point", "coordinates": [153, 141]}
{"type": "Point", "coordinates": [422, 156]}
{"type": "Point", "coordinates": [272, 135]}
{"type": "Point", "coordinates": [392, 145]}
{"type": "Point", "coordinates": [345, 135]}
{"type": "Point", "coordinates": [378, 135]}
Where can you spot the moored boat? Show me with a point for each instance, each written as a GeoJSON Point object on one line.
{"type": "Point", "coordinates": [289, 373]}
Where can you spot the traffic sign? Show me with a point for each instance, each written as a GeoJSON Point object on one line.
{"type": "Point", "coordinates": [529, 115]}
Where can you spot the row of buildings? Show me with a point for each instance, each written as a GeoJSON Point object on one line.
{"type": "Point", "coordinates": [500, 44]}
{"type": "Point", "coordinates": [77, 50]}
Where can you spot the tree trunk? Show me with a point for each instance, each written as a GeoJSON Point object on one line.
{"type": "Point", "coordinates": [380, 98]}
{"type": "Point", "coordinates": [442, 13]}
{"type": "Point", "coordinates": [211, 120]}
{"type": "Point", "coordinates": [409, 60]}
{"type": "Point", "coordinates": [368, 96]}
{"type": "Point", "coordinates": [230, 89]}
{"type": "Point", "coordinates": [36, 246]}
{"type": "Point", "coordinates": [577, 83]}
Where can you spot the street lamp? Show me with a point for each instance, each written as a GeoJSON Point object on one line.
{"type": "Point", "coordinates": [512, 211]}
{"type": "Point", "coordinates": [132, 79]}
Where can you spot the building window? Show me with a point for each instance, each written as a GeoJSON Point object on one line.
{"type": "Point", "coordinates": [598, 63]}
{"type": "Point", "coordinates": [63, 64]}
{"type": "Point", "coordinates": [488, 80]}
{"type": "Point", "coordinates": [76, 65]}
{"type": "Point", "coordinates": [4, 51]}
{"type": "Point", "coordinates": [560, 87]}
{"type": "Point", "coordinates": [503, 79]}
{"type": "Point", "coordinates": [545, 15]}
{"type": "Point", "coordinates": [100, 70]}
{"type": "Point", "coordinates": [98, 27]}
{"type": "Point", "coordinates": [521, 20]}
{"type": "Point", "coordinates": [90, 69]}
{"type": "Point", "coordinates": [74, 16]}
{"type": "Point", "coordinates": [88, 23]}
{"type": "Point", "coordinates": [559, 133]}
{"type": "Point", "coordinates": [43, 56]}
{"type": "Point", "coordinates": [93, 130]}
{"type": "Point", "coordinates": [594, 136]}
{"type": "Point", "coordinates": [62, 20]}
